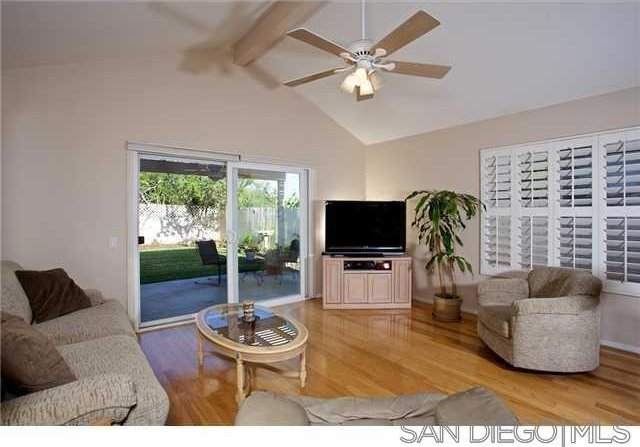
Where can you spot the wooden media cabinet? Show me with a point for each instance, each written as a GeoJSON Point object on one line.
{"type": "Point", "coordinates": [366, 283]}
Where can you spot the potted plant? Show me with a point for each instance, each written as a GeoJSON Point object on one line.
{"type": "Point", "coordinates": [251, 246]}
{"type": "Point", "coordinates": [439, 216]}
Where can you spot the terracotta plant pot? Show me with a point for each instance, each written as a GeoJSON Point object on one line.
{"type": "Point", "coordinates": [447, 309]}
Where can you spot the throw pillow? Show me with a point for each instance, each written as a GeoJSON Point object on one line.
{"type": "Point", "coordinates": [51, 293]}
{"type": "Point", "coordinates": [30, 361]}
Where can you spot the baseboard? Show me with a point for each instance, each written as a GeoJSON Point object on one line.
{"type": "Point", "coordinates": [621, 346]}
{"type": "Point", "coordinates": [465, 309]}
{"type": "Point", "coordinates": [608, 343]}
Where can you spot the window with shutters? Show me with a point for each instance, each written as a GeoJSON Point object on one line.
{"type": "Point", "coordinates": [571, 202]}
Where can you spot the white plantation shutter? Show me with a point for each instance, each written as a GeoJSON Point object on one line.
{"type": "Point", "coordinates": [534, 241]}
{"type": "Point", "coordinates": [620, 155]}
{"type": "Point", "coordinates": [497, 241]}
{"type": "Point", "coordinates": [576, 242]}
{"type": "Point", "coordinates": [576, 175]}
{"type": "Point", "coordinates": [571, 202]}
{"type": "Point", "coordinates": [623, 173]}
{"type": "Point", "coordinates": [533, 206]}
{"type": "Point", "coordinates": [497, 181]}
{"type": "Point", "coordinates": [574, 211]}
{"type": "Point", "coordinates": [497, 245]}
{"type": "Point", "coordinates": [534, 178]}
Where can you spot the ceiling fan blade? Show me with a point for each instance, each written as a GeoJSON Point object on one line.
{"type": "Point", "coordinates": [360, 97]}
{"type": "Point", "coordinates": [424, 70]}
{"type": "Point", "coordinates": [317, 41]}
{"type": "Point", "coordinates": [270, 27]}
{"type": "Point", "coordinates": [415, 26]}
{"type": "Point", "coordinates": [313, 77]}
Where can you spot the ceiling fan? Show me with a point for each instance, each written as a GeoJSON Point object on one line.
{"type": "Point", "coordinates": [366, 59]}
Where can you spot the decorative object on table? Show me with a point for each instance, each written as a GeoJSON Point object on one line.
{"type": "Point", "coordinates": [248, 311]}
{"type": "Point", "coordinates": [438, 217]}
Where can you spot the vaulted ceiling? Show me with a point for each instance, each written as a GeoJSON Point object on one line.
{"type": "Point", "coordinates": [506, 57]}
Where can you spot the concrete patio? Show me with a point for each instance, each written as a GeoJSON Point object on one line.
{"type": "Point", "coordinates": [187, 296]}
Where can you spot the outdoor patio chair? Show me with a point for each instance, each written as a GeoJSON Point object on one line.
{"type": "Point", "coordinates": [210, 256]}
{"type": "Point", "coordinates": [277, 260]}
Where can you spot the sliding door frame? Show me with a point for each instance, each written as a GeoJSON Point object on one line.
{"type": "Point", "coordinates": [136, 150]}
{"type": "Point", "coordinates": [232, 237]}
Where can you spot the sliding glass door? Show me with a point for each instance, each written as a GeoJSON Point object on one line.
{"type": "Point", "coordinates": [211, 232]}
{"type": "Point", "coordinates": [181, 236]}
{"type": "Point", "coordinates": [268, 225]}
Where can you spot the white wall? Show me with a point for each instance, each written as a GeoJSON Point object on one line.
{"type": "Point", "coordinates": [64, 129]}
{"type": "Point", "coordinates": [449, 159]}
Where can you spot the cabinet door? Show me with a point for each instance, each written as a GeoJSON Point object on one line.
{"type": "Point", "coordinates": [402, 281]}
{"type": "Point", "coordinates": [331, 281]}
{"type": "Point", "coordinates": [380, 288]}
{"type": "Point", "coordinates": [354, 289]}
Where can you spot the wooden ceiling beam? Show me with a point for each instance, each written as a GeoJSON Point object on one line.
{"type": "Point", "coordinates": [271, 27]}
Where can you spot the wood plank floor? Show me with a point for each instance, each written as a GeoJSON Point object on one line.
{"type": "Point", "coordinates": [389, 352]}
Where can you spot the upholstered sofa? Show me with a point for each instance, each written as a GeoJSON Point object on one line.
{"type": "Point", "coordinates": [115, 382]}
{"type": "Point", "coordinates": [547, 319]}
{"type": "Point", "coordinates": [475, 406]}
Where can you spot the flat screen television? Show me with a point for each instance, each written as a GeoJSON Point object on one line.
{"type": "Point", "coordinates": [358, 227]}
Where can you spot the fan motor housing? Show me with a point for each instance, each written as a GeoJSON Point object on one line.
{"type": "Point", "coordinates": [361, 48]}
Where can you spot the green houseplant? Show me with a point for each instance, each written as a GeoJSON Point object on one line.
{"type": "Point", "coordinates": [250, 245]}
{"type": "Point", "coordinates": [439, 217]}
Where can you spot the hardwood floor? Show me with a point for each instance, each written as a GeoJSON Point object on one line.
{"type": "Point", "coordinates": [389, 352]}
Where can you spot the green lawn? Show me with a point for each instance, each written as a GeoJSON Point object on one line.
{"type": "Point", "coordinates": [158, 265]}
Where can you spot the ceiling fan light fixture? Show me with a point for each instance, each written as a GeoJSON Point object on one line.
{"type": "Point", "coordinates": [350, 83]}
{"type": "Point", "coordinates": [361, 75]}
{"type": "Point", "coordinates": [366, 88]}
{"type": "Point", "coordinates": [376, 80]}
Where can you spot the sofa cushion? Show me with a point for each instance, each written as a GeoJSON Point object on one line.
{"type": "Point", "coordinates": [475, 406]}
{"type": "Point", "coordinates": [553, 282]}
{"type": "Point", "coordinates": [82, 402]}
{"type": "Point", "coordinates": [496, 318]}
{"type": "Point", "coordinates": [121, 354]}
{"type": "Point", "coordinates": [30, 361]}
{"type": "Point", "coordinates": [106, 319]}
{"type": "Point", "coordinates": [51, 293]}
{"type": "Point", "coordinates": [345, 409]}
{"type": "Point", "coordinates": [14, 300]}
{"type": "Point", "coordinates": [262, 408]}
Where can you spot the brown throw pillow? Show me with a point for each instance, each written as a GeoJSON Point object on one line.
{"type": "Point", "coordinates": [51, 293]}
{"type": "Point", "coordinates": [30, 362]}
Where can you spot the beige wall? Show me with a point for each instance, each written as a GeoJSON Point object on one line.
{"type": "Point", "coordinates": [449, 159]}
{"type": "Point", "coordinates": [64, 129]}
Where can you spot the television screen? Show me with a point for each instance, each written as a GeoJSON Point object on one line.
{"type": "Point", "coordinates": [365, 227]}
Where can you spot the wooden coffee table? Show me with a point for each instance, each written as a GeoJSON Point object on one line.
{"type": "Point", "coordinates": [269, 339]}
